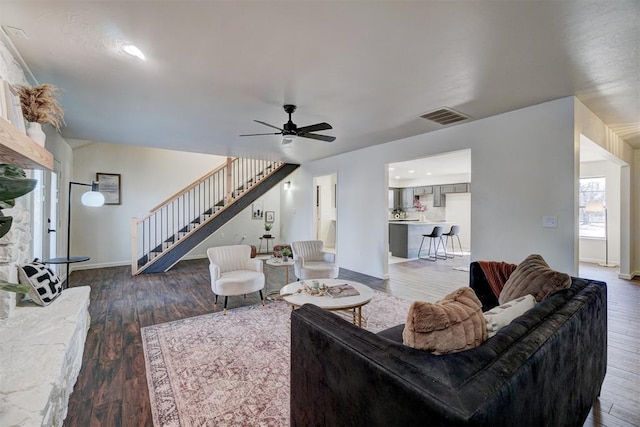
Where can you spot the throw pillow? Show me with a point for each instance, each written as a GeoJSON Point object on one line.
{"type": "Point", "coordinates": [501, 316]}
{"type": "Point", "coordinates": [452, 324]}
{"type": "Point", "coordinates": [45, 285]}
{"type": "Point", "coordinates": [533, 276]}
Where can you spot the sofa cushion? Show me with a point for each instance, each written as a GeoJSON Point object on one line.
{"type": "Point", "coordinates": [452, 324]}
{"type": "Point", "coordinates": [501, 316]}
{"type": "Point", "coordinates": [533, 276]}
{"type": "Point", "coordinates": [45, 284]}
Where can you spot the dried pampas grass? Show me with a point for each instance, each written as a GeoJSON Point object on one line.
{"type": "Point", "coordinates": [40, 105]}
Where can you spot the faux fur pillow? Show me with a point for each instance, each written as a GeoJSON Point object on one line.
{"type": "Point", "coordinates": [533, 276]}
{"type": "Point", "coordinates": [452, 324]}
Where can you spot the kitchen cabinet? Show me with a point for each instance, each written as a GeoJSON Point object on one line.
{"type": "Point", "coordinates": [405, 238]}
{"type": "Point", "coordinates": [395, 198]}
{"type": "Point", "coordinates": [422, 191]}
{"type": "Point", "coordinates": [463, 187]}
{"type": "Point", "coordinates": [439, 199]}
{"type": "Point", "coordinates": [407, 198]}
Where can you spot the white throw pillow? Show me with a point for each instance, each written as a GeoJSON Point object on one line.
{"type": "Point", "coordinates": [500, 316]}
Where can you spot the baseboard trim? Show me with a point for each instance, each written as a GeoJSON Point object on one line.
{"type": "Point", "coordinates": [629, 276]}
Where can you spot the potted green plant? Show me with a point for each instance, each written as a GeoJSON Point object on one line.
{"type": "Point", "coordinates": [267, 229]}
{"type": "Point", "coordinates": [13, 184]}
{"type": "Point", "coordinates": [286, 253]}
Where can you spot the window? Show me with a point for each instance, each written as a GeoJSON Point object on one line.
{"type": "Point", "coordinates": [592, 214]}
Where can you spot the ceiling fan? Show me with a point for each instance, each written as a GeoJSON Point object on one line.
{"type": "Point", "coordinates": [290, 131]}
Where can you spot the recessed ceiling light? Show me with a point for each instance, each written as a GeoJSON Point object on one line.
{"type": "Point", "coordinates": [134, 51]}
{"type": "Point", "coordinates": [411, 171]}
{"type": "Point", "coordinates": [392, 169]}
{"type": "Point", "coordinates": [428, 173]}
{"type": "Point", "coordinates": [397, 177]}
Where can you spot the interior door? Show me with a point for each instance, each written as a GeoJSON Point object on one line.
{"type": "Point", "coordinates": [45, 216]}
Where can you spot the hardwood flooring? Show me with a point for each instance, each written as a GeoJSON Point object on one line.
{"type": "Point", "coordinates": [112, 387]}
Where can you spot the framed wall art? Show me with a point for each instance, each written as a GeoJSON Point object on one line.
{"type": "Point", "coordinates": [257, 210]}
{"type": "Point", "coordinates": [269, 216]}
{"type": "Point", "coordinates": [109, 186]}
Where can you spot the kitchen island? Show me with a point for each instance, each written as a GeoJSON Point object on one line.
{"type": "Point", "coordinates": [405, 237]}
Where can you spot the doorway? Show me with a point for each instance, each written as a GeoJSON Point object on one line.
{"type": "Point", "coordinates": [325, 210]}
{"type": "Point", "coordinates": [45, 215]}
{"type": "Point", "coordinates": [424, 193]}
{"type": "Point", "coordinates": [600, 211]}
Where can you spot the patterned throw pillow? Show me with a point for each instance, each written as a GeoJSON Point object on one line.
{"type": "Point", "coordinates": [45, 285]}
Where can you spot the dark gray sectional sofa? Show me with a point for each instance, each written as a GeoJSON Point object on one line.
{"type": "Point", "coordinates": [544, 369]}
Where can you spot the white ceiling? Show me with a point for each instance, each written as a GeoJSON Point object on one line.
{"type": "Point", "coordinates": [369, 68]}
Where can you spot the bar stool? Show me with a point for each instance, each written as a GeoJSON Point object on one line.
{"type": "Point", "coordinates": [436, 233]}
{"type": "Point", "coordinates": [455, 230]}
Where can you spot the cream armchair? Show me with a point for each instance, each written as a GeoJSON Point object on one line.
{"type": "Point", "coordinates": [234, 272]}
{"type": "Point", "coordinates": [310, 262]}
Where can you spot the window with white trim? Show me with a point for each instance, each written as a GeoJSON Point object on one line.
{"type": "Point", "coordinates": [592, 202]}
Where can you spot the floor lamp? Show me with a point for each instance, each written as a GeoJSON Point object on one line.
{"type": "Point", "coordinates": [91, 198]}
{"type": "Point", "coordinates": [599, 206]}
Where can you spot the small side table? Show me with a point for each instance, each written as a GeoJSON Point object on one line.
{"type": "Point", "coordinates": [275, 262]}
{"type": "Point", "coordinates": [267, 239]}
{"type": "Point", "coordinates": [65, 260]}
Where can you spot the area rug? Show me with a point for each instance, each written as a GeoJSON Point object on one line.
{"type": "Point", "coordinates": [233, 370]}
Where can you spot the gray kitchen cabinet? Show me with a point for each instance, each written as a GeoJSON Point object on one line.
{"type": "Point", "coordinates": [463, 187]}
{"type": "Point", "coordinates": [439, 198]}
{"type": "Point", "coordinates": [407, 198]}
{"type": "Point", "coordinates": [447, 188]}
{"type": "Point", "coordinates": [422, 191]}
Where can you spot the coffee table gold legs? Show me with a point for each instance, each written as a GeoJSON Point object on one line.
{"type": "Point", "coordinates": [359, 317]}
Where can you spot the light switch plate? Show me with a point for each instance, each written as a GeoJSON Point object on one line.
{"type": "Point", "coordinates": [550, 221]}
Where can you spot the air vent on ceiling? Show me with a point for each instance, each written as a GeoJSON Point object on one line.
{"type": "Point", "coordinates": [445, 116]}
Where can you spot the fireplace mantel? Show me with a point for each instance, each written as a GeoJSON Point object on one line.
{"type": "Point", "coordinates": [18, 149]}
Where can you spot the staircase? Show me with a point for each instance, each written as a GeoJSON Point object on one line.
{"type": "Point", "coordinates": [183, 221]}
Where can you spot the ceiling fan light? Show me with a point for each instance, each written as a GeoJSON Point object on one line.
{"type": "Point", "coordinates": [134, 51]}
{"type": "Point", "coordinates": [288, 139]}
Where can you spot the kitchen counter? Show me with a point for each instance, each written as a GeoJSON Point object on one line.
{"type": "Point", "coordinates": [405, 237]}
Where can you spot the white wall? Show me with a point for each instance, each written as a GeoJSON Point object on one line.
{"type": "Point", "coordinates": [458, 211]}
{"type": "Point", "coordinates": [510, 194]}
{"type": "Point", "coordinates": [593, 250]}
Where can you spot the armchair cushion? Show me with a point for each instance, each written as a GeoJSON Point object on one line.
{"type": "Point", "coordinates": [233, 271]}
{"type": "Point", "coordinates": [310, 262]}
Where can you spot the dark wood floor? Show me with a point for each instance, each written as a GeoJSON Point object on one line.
{"type": "Point", "coordinates": [112, 388]}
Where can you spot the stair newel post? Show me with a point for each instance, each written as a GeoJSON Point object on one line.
{"type": "Point", "coordinates": [228, 182]}
{"type": "Point", "coordinates": [134, 246]}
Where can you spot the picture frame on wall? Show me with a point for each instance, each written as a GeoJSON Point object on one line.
{"type": "Point", "coordinates": [269, 217]}
{"type": "Point", "coordinates": [109, 186]}
{"type": "Point", "coordinates": [257, 210]}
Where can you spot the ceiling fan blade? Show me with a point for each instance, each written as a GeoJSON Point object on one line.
{"type": "Point", "coordinates": [315, 128]}
{"type": "Point", "coordinates": [324, 138]}
{"type": "Point", "coordinates": [256, 134]}
{"type": "Point", "coordinates": [267, 124]}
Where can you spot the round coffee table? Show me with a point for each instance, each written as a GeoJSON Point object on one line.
{"type": "Point", "coordinates": [289, 294]}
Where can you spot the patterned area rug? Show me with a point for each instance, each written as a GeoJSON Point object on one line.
{"type": "Point", "coordinates": [233, 370]}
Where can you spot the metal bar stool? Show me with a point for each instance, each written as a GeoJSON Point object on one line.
{"type": "Point", "coordinates": [455, 230]}
{"type": "Point", "coordinates": [436, 233]}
